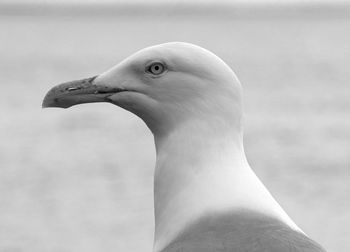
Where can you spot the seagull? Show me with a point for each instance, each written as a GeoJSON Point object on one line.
{"type": "Point", "coordinates": [206, 196]}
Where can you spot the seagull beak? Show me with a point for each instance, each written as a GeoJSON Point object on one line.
{"type": "Point", "coordinates": [76, 92]}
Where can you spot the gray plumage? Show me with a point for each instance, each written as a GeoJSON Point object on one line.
{"type": "Point", "coordinates": [243, 231]}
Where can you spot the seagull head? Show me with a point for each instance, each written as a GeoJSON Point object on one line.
{"type": "Point", "coordinates": [166, 85]}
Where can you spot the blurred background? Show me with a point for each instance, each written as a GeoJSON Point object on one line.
{"type": "Point", "coordinates": [81, 179]}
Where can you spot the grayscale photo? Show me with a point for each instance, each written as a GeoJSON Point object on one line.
{"type": "Point", "coordinates": [175, 126]}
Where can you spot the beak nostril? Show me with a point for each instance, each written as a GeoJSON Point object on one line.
{"type": "Point", "coordinates": [72, 88]}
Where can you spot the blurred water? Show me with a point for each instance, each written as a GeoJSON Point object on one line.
{"type": "Point", "coordinates": [81, 179]}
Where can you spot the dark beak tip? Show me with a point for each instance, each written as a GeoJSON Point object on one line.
{"type": "Point", "coordinates": [71, 93]}
{"type": "Point", "coordinates": [47, 102]}
{"type": "Point", "coordinates": [53, 104]}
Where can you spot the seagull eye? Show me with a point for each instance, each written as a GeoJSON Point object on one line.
{"type": "Point", "coordinates": [156, 68]}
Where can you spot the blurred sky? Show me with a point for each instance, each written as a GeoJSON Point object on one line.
{"type": "Point", "coordinates": [179, 1]}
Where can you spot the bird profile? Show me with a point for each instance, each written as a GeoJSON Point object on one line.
{"type": "Point", "coordinates": [206, 196]}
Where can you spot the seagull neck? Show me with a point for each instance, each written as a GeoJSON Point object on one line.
{"type": "Point", "coordinates": [202, 169]}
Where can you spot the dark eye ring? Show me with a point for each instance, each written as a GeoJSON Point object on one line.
{"type": "Point", "coordinates": [156, 68]}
